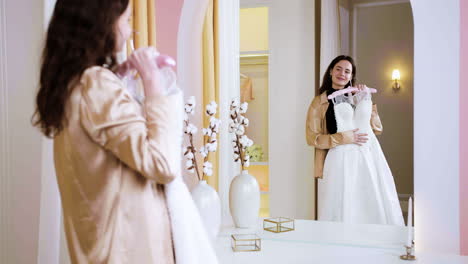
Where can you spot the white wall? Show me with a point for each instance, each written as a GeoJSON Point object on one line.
{"type": "Point", "coordinates": [436, 127]}
{"type": "Point", "coordinates": [30, 201]}
{"type": "Point", "coordinates": [292, 78]}
{"type": "Point", "coordinates": [23, 22]}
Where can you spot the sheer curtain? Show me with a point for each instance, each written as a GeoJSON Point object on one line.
{"type": "Point", "coordinates": [330, 37]}
{"type": "Point", "coordinates": [190, 62]}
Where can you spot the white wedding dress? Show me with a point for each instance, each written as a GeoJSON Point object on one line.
{"type": "Point", "coordinates": [357, 185]}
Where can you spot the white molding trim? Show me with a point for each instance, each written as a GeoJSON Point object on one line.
{"type": "Point", "coordinates": [355, 7]}
{"type": "Point", "coordinates": [254, 3]}
{"type": "Point", "coordinates": [5, 147]}
{"type": "Point", "coordinates": [228, 62]}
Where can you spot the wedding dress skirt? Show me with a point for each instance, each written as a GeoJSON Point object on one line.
{"type": "Point", "coordinates": [357, 185]}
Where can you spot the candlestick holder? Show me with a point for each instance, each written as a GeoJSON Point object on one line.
{"type": "Point", "coordinates": [409, 253]}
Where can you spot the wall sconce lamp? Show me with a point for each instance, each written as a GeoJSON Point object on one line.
{"type": "Point", "coordinates": [396, 79]}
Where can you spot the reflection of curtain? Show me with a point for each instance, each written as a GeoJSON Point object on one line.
{"type": "Point", "coordinates": [330, 39]}
{"type": "Point", "coordinates": [330, 47]}
{"type": "Point", "coordinates": [210, 74]}
{"type": "Point", "coordinates": [143, 23]}
{"type": "Point", "coordinates": [189, 62]}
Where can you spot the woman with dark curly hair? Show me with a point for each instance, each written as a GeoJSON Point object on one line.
{"type": "Point", "coordinates": [115, 158]}
{"type": "Point", "coordinates": [355, 182]}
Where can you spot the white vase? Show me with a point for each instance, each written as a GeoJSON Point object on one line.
{"type": "Point", "coordinates": [244, 200]}
{"type": "Point", "coordinates": [209, 206]}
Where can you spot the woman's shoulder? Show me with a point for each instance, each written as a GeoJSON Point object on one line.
{"type": "Point", "coordinates": [100, 82]}
{"type": "Point", "coordinates": [100, 77]}
{"type": "Point", "coordinates": [319, 100]}
{"type": "Point", "coordinates": [98, 73]}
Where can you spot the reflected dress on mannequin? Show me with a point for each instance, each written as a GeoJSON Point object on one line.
{"type": "Point", "coordinates": [357, 185]}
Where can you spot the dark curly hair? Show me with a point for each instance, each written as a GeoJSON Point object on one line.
{"type": "Point", "coordinates": [81, 34]}
{"type": "Point", "coordinates": [327, 80]}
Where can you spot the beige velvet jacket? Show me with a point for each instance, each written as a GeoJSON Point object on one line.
{"type": "Point", "coordinates": [318, 136]}
{"type": "Point", "coordinates": [111, 160]}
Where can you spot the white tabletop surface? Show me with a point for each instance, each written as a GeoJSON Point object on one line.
{"type": "Point", "coordinates": [327, 242]}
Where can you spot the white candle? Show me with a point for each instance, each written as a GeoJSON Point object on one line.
{"type": "Point", "coordinates": [409, 242]}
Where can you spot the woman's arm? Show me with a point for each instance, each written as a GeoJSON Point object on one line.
{"type": "Point", "coordinates": [114, 120]}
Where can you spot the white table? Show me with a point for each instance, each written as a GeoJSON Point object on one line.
{"type": "Point", "coordinates": [327, 242]}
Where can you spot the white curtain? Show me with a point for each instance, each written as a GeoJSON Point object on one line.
{"type": "Point", "coordinates": [189, 48]}
{"type": "Point", "coordinates": [189, 62]}
{"type": "Point", "coordinates": [330, 39]}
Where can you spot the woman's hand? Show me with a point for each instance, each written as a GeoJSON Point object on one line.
{"type": "Point", "coordinates": [361, 87]}
{"type": "Point", "coordinates": [359, 138]}
{"type": "Point", "coordinates": [144, 61]}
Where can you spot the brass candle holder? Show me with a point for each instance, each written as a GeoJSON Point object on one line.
{"type": "Point", "coordinates": [278, 224]}
{"type": "Point", "coordinates": [409, 253]}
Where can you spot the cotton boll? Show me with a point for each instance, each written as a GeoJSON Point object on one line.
{"type": "Point", "coordinates": [189, 155]}
{"type": "Point", "coordinates": [211, 108]}
{"type": "Point", "coordinates": [245, 122]}
{"type": "Point", "coordinates": [191, 101]}
{"type": "Point", "coordinates": [207, 132]}
{"type": "Point", "coordinates": [243, 107]}
{"type": "Point", "coordinates": [235, 103]}
{"type": "Point", "coordinates": [189, 109]}
{"type": "Point", "coordinates": [203, 151]}
{"type": "Point", "coordinates": [240, 130]}
{"type": "Point", "coordinates": [208, 168]}
{"type": "Point", "coordinates": [191, 129]}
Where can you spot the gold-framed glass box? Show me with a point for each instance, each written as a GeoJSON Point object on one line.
{"type": "Point", "coordinates": [278, 224]}
{"type": "Point", "coordinates": [246, 242]}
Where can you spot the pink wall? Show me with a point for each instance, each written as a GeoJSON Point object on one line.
{"type": "Point", "coordinates": [167, 25]}
{"type": "Point", "coordinates": [463, 128]}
